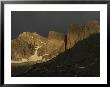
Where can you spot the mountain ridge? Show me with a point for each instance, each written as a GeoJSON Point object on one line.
{"type": "Point", "coordinates": [33, 47]}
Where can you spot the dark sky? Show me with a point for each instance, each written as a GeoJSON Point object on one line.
{"type": "Point", "coordinates": [44, 21]}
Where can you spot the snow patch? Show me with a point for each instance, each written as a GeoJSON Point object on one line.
{"type": "Point", "coordinates": [21, 61]}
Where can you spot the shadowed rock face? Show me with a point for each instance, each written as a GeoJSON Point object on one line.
{"type": "Point", "coordinates": [34, 47]}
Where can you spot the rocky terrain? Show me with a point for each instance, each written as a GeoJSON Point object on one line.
{"type": "Point", "coordinates": [82, 60]}
{"type": "Point", "coordinates": [58, 54]}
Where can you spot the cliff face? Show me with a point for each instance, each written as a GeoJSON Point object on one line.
{"type": "Point", "coordinates": [34, 47]}
{"type": "Point", "coordinates": [77, 33]}
{"type": "Point", "coordinates": [73, 35]}
{"type": "Point", "coordinates": [25, 45]}
{"type": "Point", "coordinates": [55, 45]}
{"type": "Point", "coordinates": [58, 39]}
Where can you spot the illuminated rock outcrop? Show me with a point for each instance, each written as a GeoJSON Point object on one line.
{"type": "Point", "coordinates": [30, 46]}
{"type": "Point", "coordinates": [80, 32]}
{"type": "Point", "coordinates": [33, 47]}
{"type": "Point", "coordinates": [25, 45]}
{"type": "Point", "coordinates": [58, 39]}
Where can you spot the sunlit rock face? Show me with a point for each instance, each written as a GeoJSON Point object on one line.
{"type": "Point", "coordinates": [30, 46]}
{"type": "Point", "coordinates": [80, 32]}
{"type": "Point", "coordinates": [58, 40]}
{"type": "Point", "coordinates": [33, 47]}
{"type": "Point", "coordinates": [72, 35]}
{"type": "Point", "coordinates": [54, 46]}
{"type": "Point", "coordinates": [25, 46]}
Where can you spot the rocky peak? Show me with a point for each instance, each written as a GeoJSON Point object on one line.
{"type": "Point", "coordinates": [26, 44]}
{"type": "Point", "coordinates": [34, 47]}
{"type": "Point", "coordinates": [32, 38]}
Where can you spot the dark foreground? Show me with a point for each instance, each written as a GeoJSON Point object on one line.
{"type": "Point", "coordinates": [83, 60]}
